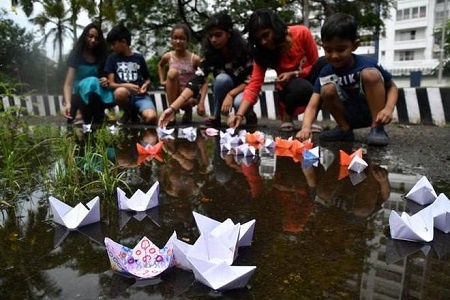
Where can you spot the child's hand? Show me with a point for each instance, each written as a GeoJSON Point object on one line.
{"type": "Point", "coordinates": [166, 116]}
{"type": "Point", "coordinates": [303, 135]}
{"type": "Point", "coordinates": [104, 81]}
{"type": "Point", "coordinates": [143, 88]}
{"type": "Point", "coordinates": [283, 78]}
{"type": "Point", "coordinates": [234, 121]}
{"type": "Point", "coordinates": [66, 112]}
{"type": "Point", "coordinates": [227, 105]}
{"type": "Point", "coordinates": [201, 111]}
{"type": "Point", "coordinates": [384, 117]}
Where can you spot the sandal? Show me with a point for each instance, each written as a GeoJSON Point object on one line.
{"type": "Point", "coordinates": [287, 126]}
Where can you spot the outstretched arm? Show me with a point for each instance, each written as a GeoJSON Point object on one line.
{"type": "Point", "coordinates": [309, 117]}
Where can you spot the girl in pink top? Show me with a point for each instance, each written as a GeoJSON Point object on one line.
{"type": "Point", "coordinates": [182, 65]}
{"type": "Point", "coordinates": [292, 52]}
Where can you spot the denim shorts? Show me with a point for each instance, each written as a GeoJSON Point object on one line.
{"type": "Point", "coordinates": [142, 102]}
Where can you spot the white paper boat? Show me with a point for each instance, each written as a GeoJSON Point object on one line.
{"type": "Point", "coordinates": [164, 133]}
{"type": "Point", "coordinates": [357, 164]}
{"type": "Point", "coordinates": [326, 157]}
{"type": "Point", "coordinates": [145, 260]}
{"type": "Point", "coordinates": [221, 276]}
{"type": "Point", "coordinates": [74, 217]}
{"type": "Point", "coordinates": [87, 128]}
{"type": "Point", "coordinates": [189, 133]}
{"type": "Point", "coordinates": [441, 213]}
{"type": "Point", "coordinates": [180, 251]}
{"type": "Point", "coordinates": [205, 225]}
{"type": "Point", "coordinates": [140, 201]}
{"type": "Point", "coordinates": [244, 150]}
{"type": "Point", "coordinates": [422, 192]}
{"type": "Point", "coordinates": [417, 228]}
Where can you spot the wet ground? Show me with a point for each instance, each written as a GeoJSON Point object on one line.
{"type": "Point", "coordinates": [321, 232]}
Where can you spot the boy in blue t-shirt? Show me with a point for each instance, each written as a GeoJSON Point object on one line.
{"type": "Point", "coordinates": [356, 90]}
{"type": "Point", "coordinates": [129, 77]}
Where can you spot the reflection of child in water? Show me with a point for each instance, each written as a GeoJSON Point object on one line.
{"type": "Point", "coordinates": [225, 167]}
{"type": "Point", "coordinates": [361, 200]}
{"type": "Point", "coordinates": [293, 188]}
{"type": "Point", "coordinates": [181, 175]}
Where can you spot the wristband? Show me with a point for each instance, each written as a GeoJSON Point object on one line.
{"type": "Point", "coordinates": [173, 108]}
{"type": "Point", "coordinates": [239, 115]}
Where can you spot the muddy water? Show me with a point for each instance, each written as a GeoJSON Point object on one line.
{"type": "Point", "coordinates": [321, 232]}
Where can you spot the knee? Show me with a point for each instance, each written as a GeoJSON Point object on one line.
{"type": "Point", "coordinates": [173, 74]}
{"type": "Point", "coordinates": [370, 77]}
{"type": "Point", "coordinates": [222, 79]}
{"type": "Point", "coordinates": [121, 95]}
{"type": "Point", "coordinates": [328, 92]}
{"type": "Point", "coordinates": [149, 116]}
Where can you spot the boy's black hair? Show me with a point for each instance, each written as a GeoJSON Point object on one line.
{"type": "Point", "coordinates": [339, 25]}
{"type": "Point", "coordinates": [118, 33]}
{"type": "Point", "coordinates": [263, 19]}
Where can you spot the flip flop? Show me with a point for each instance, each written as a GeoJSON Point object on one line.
{"type": "Point", "coordinates": [287, 126]}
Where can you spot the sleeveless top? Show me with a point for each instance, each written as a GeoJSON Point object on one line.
{"type": "Point", "coordinates": [184, 66]}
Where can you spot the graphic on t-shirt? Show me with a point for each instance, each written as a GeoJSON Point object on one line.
{"type": "Point", "coordinates": [128, 71]}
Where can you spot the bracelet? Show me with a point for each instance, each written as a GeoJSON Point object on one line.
{"type": "Point", "coordinates": [297, 73]}
{"type": "Point", "coordinates": [173, 108]}
{"type": "Point", "coordinates": [239, 115]}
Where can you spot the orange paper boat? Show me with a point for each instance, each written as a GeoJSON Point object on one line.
{"type": "Point", "coordinates": [256, 138]}
{"type": "Point", "coordinates": [345, 159]}
{"type": "Point", "coordinates": [149, 149]}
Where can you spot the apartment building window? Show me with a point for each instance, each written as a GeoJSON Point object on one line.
{"type": "Point", "coordinates": [408, 35]}
{"type": "Point", "coordinates": [423, 12]}
{"type": "Point", "coordinates": [406, 55]}
{"type": "Point", "coordinates": [411, 13]}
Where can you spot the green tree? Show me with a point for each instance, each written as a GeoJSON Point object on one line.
{"type": "Point", "coordinates": [54, 16]}
{"type": "Point", "coordinates": [21, 58]}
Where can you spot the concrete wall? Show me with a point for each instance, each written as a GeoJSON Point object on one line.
{"type": "Point", "coordinates": [415, 105]}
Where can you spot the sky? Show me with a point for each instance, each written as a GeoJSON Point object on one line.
{"type": "Point", "coordinates": [21, 19]}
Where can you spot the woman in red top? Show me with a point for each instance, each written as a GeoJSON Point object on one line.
{"type": "Point", "coordinates": [292, 52]}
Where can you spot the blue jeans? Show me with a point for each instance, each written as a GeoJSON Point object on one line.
{"type": "Point", "coordinates": [223, 83]}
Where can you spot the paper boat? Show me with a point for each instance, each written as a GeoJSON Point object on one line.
{"type": "Point", "coordinates": [221, 276]}
{"type": "Point", "coordinates": [145, 260]}
{"type": "Point", "coordinates": [75, 217]}
{"type": "Point", "coordinates": [189, 133]}
{"type": "Point", "coordinates": [164, 133]}
{"type": "Point", "coordinates": [149, 149]}
{"type": "Point", "coordinates": [140, 201]}
{"type": "Point", "coordinates": [87, 128]}
{"type": "Point", "coordinates": [422, 192]}
{"type": "Point", "coordinates": [357, 164]}
{"type": "Point", "coordinates": [326, 157]}
{"type": "Point", "coordinates": [218, 245]}
{"type": "Point", "coordinates": [440, 210]}
{"type": "Point", "coordinates": [212, 131]}
{"type": "Point", "coordinates": [345, 159]}
{"type": "Point", "coordinates": [417, 228]}
{"type": "Point", "coordinates": [245, 150]}
{"type": "Point", "coordinates": [206, 225]}
{"type": "Point", "coordinates": [256, 138]}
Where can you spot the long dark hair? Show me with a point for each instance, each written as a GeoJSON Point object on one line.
{"type": "Point", "coordinates": [263, 19]}
{"type": "Point", "coordinates": [237, 45]}
{"type": "Point", "coordinates": [99, 51]}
